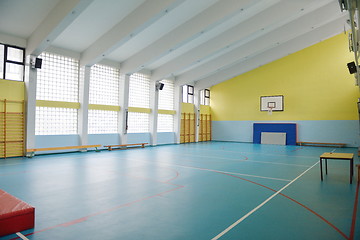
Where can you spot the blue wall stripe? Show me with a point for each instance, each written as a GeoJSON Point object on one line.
{"type": "Point", "coordinates": [335, 131]}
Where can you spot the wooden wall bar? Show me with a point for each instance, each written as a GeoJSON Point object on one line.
{"type": "Point", "coordinates": [12, 129]}
{"type": "Point", "coordinates": [205, 127]}
{"type": "Point", "coordinates": [187, 128]}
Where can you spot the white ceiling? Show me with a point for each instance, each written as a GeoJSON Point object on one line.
{"type": "Point", "coordinates": [201, 42]}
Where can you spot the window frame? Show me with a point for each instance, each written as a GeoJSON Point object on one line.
{"type": "Point", "coordinates": [5, 60]}
{"type": "Point", "coordinates": [189, 94]}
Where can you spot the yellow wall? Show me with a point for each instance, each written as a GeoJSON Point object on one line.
{"type": "Point", "coordinates": [205, 109]}
{"type": "Point", "coordinates": [315, 83]}
{"type": "Point", "coordinates": [187, 108]}
{"type": "Point", "coordinates": [12, 90]}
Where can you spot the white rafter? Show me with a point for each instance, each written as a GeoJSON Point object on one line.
{"type": "Point", "coordinates": [182, 34]}
{"type": "Point", "coordinates": [272, 53]}
{"type": "Point", "coordinates": [143, 16]}
{"type": "Point", "coordinates": [259, 41]}
{"type": "Point", "coordinates": [54, 24]}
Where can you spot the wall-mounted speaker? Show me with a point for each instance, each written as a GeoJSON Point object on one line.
{"type": "Point", "coordinates": [352, 67]}
{"type": "Point", "coordinates": [159, 86]}
{"type": "Point", "coordinates": [36, 63]}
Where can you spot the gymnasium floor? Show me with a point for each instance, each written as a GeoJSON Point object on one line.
{"type": "Point", "coordinates": [211, 190]}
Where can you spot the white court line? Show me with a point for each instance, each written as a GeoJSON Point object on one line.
{"type": "Point", "coordinates": [248, 175]}
{"type": "Point", "coordinates": [259, 206]}
{"type": "Point", "coordinates": [271, 154]}
{"type": "Point", "coordinates": [21, 236]}
{"type": "Point", "coordinates": [244, 160]}
{"type": "Point", "coordinates": [213, 170]}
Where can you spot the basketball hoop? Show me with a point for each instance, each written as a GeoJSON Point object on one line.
{"type": "Point", "coordinates": [270, 109]}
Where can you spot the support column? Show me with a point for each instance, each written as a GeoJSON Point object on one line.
{"type": "Point", "coordinates": [154, 105]}
{"type": "Point", "coordinates": [83, 119]}
{"type": "Point", "coordinates": [30, 98]}
{"type": "Point", "coordinates": [177, 103]}
{"type": "Point", "coordinates": [197, 113]}
{"type": "Point", "coordinates": [124, 103]}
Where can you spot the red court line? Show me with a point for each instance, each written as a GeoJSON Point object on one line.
{"type": "Point", "coordinates": [353, 222]}
{"type": "Point", "coordinates": [82, 219]}
{"type": "Point", "coordinates": [297, 149]}
{"type": "Point", "coordinates": [302, 205]}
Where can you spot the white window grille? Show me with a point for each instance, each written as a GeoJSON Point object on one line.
{"type": "Point", "coordinates": [57, 80]}
{"type": "Point", "coordinates": [55, 121]}
{"type": "Point", "coordinates": [102, 121]}
{"type": "Point", "coordinates": [104, 85]}
{"type": "Point", "coordinates": [166, 96]}
{"type": "Point", "coordinates": [139, 91]}
{"type": "Point", "coordinates": [138, 122]}
{"type": "Point", "coordinates": [165, 123]}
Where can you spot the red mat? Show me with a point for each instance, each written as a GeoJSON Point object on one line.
{"type": "Point", "coordinates": [15, 215]}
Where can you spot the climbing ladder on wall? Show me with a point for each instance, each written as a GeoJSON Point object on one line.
{"type": "Point", "coordinates": [12, 128]}
{"type": "Point", "coordinates": [205, 127]}
{"type": "Point", "coordinates": [188, 127]}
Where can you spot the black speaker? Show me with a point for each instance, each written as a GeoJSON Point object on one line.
{"type": "Point", "coordinates": [161, 86]}
{"type": "Point", "coordinates": [38, 62]}
{"type": "Point", "coordinates": [352, 67]}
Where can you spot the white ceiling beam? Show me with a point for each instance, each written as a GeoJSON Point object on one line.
{"type": "Point", "coordinates": [261, 40]}
{"type": "Point", "coordinates": [182, 34]}
{"type": "Point", "coordinates": [253, 19]}
{"type": "Point", "coordinates": [273, 53]}
{"type": "Point", "coordinates": [54, 24]}
{"type": "Point", "coordinates": [138, 20]}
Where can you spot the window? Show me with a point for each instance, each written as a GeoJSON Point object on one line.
{"type": "Point", "coordinates": [139, 96]}
{"type": "Point", "coordinates": [138, 122]}
{"type": "Point", "coordinates": [188, 94]}
{"type": "Point", "coordinates": [139, 91]}
{"type": "Point", "coordinates": [55, 121]}
{"type": "Point", "coordinates": [166, 102]}
{"type": "Point", "coordinates": [104, 90]}
{"type": "Point", "coordinates": [101, 121]}
{"type": "Point", "coordinates": [58, 78]}
{"type": "Point", "coordinates": [166, 96]}
{"type": "Point", "coordinates": [104, 85]}
{"type": "Point", "coordinates": [12, 62]}
{"type": "Point", "coordinates": [205, 97]}
{"type": "Point", "coordinates": [165, 123]}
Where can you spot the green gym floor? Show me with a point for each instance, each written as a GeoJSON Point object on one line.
{"type": "Point", "coordinates": [210, 190]}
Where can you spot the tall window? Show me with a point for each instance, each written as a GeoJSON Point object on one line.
{"type": "Point", "coordinates": [138, 122]}
{"type": "Point", "coordinates": [166, 96]}
{"type": "Point", "coordinates": [12, 62]}
{"type": "Point", "coordinates": [57, 80]}
{"type": "Point", "coordinates": [139, 97]}
{"type": "Point", "coordinates": [104, 85]}
{"type": "Point", "coordinates": [104, 90]}
{"type": "Point", "coordinates": [55, 121]}
{"type": "Point", "coordinates": [102, 121]}
{"type": "Point", "coordinates": [205, 97]}
{"type": "Point", "coordinates": [139, 91]}
{"type": "Point", "coordinates": [188, 94]}
{"type": "Point", "coordinates": [166, 102]}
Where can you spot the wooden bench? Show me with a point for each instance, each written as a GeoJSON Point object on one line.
{"type": "Point", "coordinates": [358, 172]}
{"type": "Point", "coordinates": [32, 151]}
{"type": "Point", "coordinates": [124, 146]}
{"type": "Point", "coordinates": [15, 215]}
{"type": "Point", "coordinates": [320, 144]}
